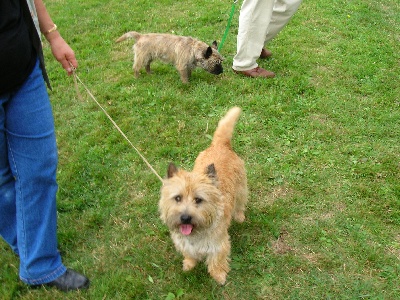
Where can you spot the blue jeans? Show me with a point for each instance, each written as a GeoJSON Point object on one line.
{"type": "Point", "coordinates": [28, 187]}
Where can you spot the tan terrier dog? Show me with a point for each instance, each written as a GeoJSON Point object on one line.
{"type": "Point", "coordinates": [186, 53]}
{"type": "Point", "coordinates": [198, 206]}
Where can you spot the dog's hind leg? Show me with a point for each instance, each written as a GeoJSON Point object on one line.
{"type": "Point", "coordinates": [240, 203]}
{"type": "Point", "coordinates": [137, 65]}
{"type": "Point", "coordinates": [147, 67]}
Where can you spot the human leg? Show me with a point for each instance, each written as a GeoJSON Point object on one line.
{"type": "Point", "coordinates": [283, 11]}
{"type": "Point", "coordinates": [8, 229]}
{"type": "Point", "coordinates": [32, 156]}
{"type": "Point", "coordinates": [254, 18]}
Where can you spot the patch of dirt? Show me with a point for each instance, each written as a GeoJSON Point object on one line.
{"type": "Point", "coordinates": [280, 245]}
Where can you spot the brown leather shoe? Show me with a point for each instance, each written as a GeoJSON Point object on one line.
{"type": "Point", "coordinates": [265, 53]}
{"type": "Point", "coordinates": [256, 72]}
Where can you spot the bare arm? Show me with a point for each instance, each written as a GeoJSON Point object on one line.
{"type": "Point", "coordinates": [60, 49]}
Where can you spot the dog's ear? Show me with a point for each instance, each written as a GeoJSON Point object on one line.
{"type": "Point", "coordinates": [172, 169]}
{"type": "Point", "coordinates": [212, 173]}
{"type": "Point", "coordinates": [208, 53]}
{"type": "Point", "coordinates": [215, 45]}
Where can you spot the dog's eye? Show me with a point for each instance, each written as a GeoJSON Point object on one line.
{"type": "Point", "coordinates": [178, 198]}
{"type": "Point", "coordinates": [198, 200]}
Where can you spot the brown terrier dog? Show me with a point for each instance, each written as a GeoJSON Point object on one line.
{"type": "Point", "coordinates": [198, 206]}
{"type": "Point", "coordinates": [186, 53]}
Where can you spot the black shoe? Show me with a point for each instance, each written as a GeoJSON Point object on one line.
{"type": "Point", "coordinates": [70, 281]}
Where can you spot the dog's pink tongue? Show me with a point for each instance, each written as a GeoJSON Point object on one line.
{"type": "Point", "coordinates": [186, 229]}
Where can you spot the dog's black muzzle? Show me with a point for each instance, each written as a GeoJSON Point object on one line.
{"type": "Point", "coordinates": [217, 70]}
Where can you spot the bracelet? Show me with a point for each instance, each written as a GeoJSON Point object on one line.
{"type": "Point", "coordinates": [54, 28]}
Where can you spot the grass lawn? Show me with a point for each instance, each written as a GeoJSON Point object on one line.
{"type": "Point", "coordinates": [321, 143]}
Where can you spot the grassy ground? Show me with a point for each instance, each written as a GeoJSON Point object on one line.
{"type": "Point", "coordinates": [320, 141]}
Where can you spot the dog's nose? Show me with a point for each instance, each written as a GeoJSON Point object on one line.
{"type": "Point", "coordinates": [218, 70]}
{"type": "Point", "coordinates": [186, 219]}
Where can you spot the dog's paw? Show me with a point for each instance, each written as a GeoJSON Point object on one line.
{"type": "Point", "coordinates": [219, 277]}
{"type": "Point", "coordinates": [188, 264]}
{"type": "Point", "coordinates": [239, 217]}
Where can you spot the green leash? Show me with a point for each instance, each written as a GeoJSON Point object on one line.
{"type": "Point", "coordinates": [227, 26]}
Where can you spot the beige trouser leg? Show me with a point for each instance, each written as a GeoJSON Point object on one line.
{"type": "Point", "coordinates": [259, 22]}
{"type": "Point", "coordinates": [283, 11]}
{"type": "Point", "coordinates": [254, 19]}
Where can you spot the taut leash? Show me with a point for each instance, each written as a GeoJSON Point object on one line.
{"type": "Point", "coordinates": [76, 78]}
{"type": "Point", "coordinates": [227, 26]}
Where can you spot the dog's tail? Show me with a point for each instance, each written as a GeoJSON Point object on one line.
{"type": "Point", "coordinates": [223, 133]}
{"type": "Point", "coordinates": [129, 35]}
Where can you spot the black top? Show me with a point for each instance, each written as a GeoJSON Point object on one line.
{"type": "Point", "coordinates": [17, 55]}
{"type": "Point", "coordinates": [20, 45]}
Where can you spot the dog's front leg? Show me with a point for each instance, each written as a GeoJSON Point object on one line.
{"type": "Point", "coordinates": [185, 74]}
{"type": "Point", "coordinates": [189, 262]}
{"type": "Point", "coordinates": [218, 266]}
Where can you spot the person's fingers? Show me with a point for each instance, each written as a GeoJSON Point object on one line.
{"type": "Point", "coordinates": [66, 66]}
{"type": "Point", "coordinates": [72, 60]}
{"type": "Point", "coordinates": [69, 63]}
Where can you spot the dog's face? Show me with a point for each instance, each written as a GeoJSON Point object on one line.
{"type": "Point", "coordinates": [210, 59]}
{"type": "Point", "coordinates": [190, 202]}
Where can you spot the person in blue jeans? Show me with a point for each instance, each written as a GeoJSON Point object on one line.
{"type": "Point", "coordinates": [28, 150]}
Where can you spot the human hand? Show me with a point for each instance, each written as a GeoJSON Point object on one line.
{"type": "Point", "coordinates": [63, 53]}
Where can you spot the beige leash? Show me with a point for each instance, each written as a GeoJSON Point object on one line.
{"type": "Point", "coordinates": [76, 78]}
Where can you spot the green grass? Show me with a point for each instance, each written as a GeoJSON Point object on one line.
{"type": "Point", "coordinates": [320, 142]}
